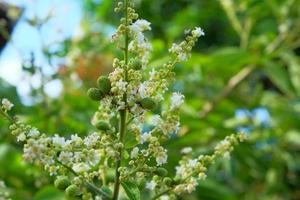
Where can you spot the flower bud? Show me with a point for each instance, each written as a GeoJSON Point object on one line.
{"type": "Point", "coordinates": [102, 125]}
{"type": "Point", "coordinates": [72, 190]}
{"type": "Point", "coordinates": [103, 84]}
{"type": "Point", "coordinates": [62, 183]}
{"type": "Point", "coordinates": [95, 94]}
{"type": "Point", "coordinates": [161, 171]}
{"type": "Point", "coordinates": [136, 65]}
{"type": "Point", "coordinates": [167, 181]}
{"type": "Point", "coordinates": [148, 103]}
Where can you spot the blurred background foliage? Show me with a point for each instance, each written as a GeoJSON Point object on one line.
{"type": "Point", "coordinates": [244, 76]}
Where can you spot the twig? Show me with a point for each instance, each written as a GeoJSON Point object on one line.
{"type": "Point", "coordinates": [232, 84]}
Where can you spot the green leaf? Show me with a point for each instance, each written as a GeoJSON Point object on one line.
{"type": "Point", "coordinates": [49, 193]}
{"type": "Point", "coordinates": [131, 190]}
{"type": "Point", "coordinates": [280, 77]}
{"type": "Point", "coordinates": [294, 70]}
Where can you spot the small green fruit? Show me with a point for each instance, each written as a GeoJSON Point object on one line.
{"type": "Point", "coordinates": [62, 183]}
{"type": "Point", "coordinates": [103, 84]}
{"type": "Point", "coordinates": [167, 181]}
{"type": "Point", "coordinates": [95, 94]}
{"type": "Point", "coordinates": [137, 65]}
{"type": "Point", "coordinates": [73, 190]}
{"type": "Point", "coordinates": [102, 125]}
{"type": "Point", "coordinates": [148, 103]}
{"type": "Point", "coordinates": [161, 171]}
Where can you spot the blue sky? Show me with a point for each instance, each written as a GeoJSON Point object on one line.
{"type": "Point", "coordinates": [64, 23]}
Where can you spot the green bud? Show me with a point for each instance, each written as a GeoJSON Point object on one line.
{"type": "Point", "coordinates": [62, 183]}
{"type": "Point", "coordinates": [95, 94]}
{"type": "Point", "coordinates": [73, 190]}
{"type": "Point", "coordinates": [148, 103]}
{"type": "Point", "coordinates": [167, 181]}
{"type": "Point", "coordinates": [161, 171]}
{"type": "Point", "coordinates": [103, 84]}
{"type": "Point", "coordinates": [155, 177]}
{"type": "Point", "coordinates": [137, 65]}
{"type": "Point", "coordinates": [102, 125]}
{"type": "Point", "coordinates": [177, 179]}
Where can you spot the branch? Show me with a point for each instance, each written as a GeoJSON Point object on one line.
{"type": "Point", "coordinates": [232, 84]}
{"type": "Point", "coordinates": [89, 185]}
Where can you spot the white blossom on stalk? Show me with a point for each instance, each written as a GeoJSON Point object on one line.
{"type": "Point", "coordinates": [65, 157]}
{"type": "Point", "coordinates": [140, 25]}
{"type": "Point", "coordinates": [151, 185]}
{"type": "Point", "coordinates": [80, 167]}
{"type": "Point", "coordinates": [186, 150]}
{"type": "Point", "coordinates": [176, 100]}
{"type": "Point", "coordinates": [161, 157]}
{"type": "Point", "coordinates": [58, 141]}
{"type": "Point", "coordinates": [21, 137]}
{"type": "Point", "coordinates": [134, 152]}
{"type": "Point", "coordinates": [197, 32]}
{"type": "Point", "coordinates": [164, 197]}
{"type": "Point", "coordinates": [33, 133]}
{"type": "Point", "coordinates": [6, 104]}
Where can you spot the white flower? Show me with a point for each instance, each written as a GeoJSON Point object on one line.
{"type": "Point", "coordinates": [180, 171]}
{"type": "Point", "coordinates": [65, 157]}
{"type": "Point", "coordinates": [121, 85]}
{"type": "Point", "coordinates": [197, 32]}
{"type": "Point", "coordinates": [76, 139]}
{"type": "Point", "coordinates": [156, 120]}
{"type": "Point", "coordinates": [58, 141]}
{"type": "Point", "coordinates": [164, 197]}
{"type": "Point", "coordinates": [182, 56]}
{"type": "Point", "coordinates": [176, 100]}
{"type": "Point", "coordinates": [33, 132]}
{"type": "Point", "coordinates": [191, 185]}
{"type": "Point", "coordinates": [142, 90]}
{"type": "Point", "coordinates": [151, 185]}
{"type": "Point", "coordinates": [134, 152]}
{"type": "Point", "coordinates": [186, 150]}
{"type": "Point", "coordinates": [80, 167]}
{"type": "Point", "coordinates": [175, 48]}
{"type": "Point", "coordinates": [161, 157]}
{"type": "Point", "coordinates": [91, 140]}
{"type": "Point", "coordinates": [192, 163]}
{"type": "Point", "coordinates": [152, 74]}
{"type": "Point", "coordinates": [93, 157]}
{"type": "Point", "coordinates": [6, 104]}
{"type": "Point", "coordinates": [21, 137]}
{"type": "Point", "coordinates": [140, 25]}
{"type": "Point", "coordinates": [146, 137]}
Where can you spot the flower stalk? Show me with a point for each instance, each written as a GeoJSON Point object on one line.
{"type": "Point", "coordinates": [123, 112]}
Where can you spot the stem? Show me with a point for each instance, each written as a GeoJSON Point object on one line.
{"type": "Point", "coordinates": [123, 113]}
{"type": "Point", "coordinates": [9, 118]}
{"type": "Point", "coordinates": [119, 161]}
{"type": "Point", "coordinates": [229, 87]}
{"type": "Point", "coordinates": [162, 193]}
{"type": "Point", "coordinates": [89, 185]}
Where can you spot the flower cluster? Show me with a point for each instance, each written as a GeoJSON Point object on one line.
{"type": "Point", "coordinates": [120, 146]}
{"type": "Point", "coordinates": [4, 194]}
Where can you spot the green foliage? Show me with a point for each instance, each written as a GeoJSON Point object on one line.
{"type": "Point", "coordinates": [131, 190]}
{"type": "Point", "coordinates": [267, 167]}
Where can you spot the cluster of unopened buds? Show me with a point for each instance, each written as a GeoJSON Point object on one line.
{"type": "Point", "coordinates": [125, 149]}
